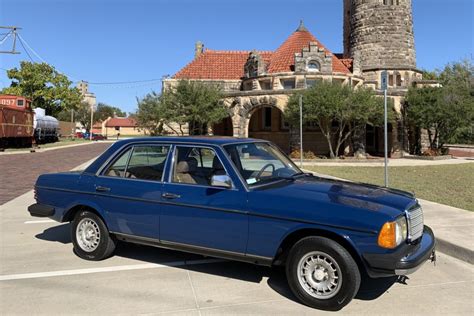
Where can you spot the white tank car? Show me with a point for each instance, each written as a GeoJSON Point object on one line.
{"type": "Point", "coordinates": [46, 127]}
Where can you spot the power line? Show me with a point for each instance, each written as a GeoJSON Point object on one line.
{"type": "Point", "coordinates": [123, 82]}
{"type": "Point", "coordinates": [26, 51]}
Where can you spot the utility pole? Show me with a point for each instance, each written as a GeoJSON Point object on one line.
{"type": "Point", "coordinates": [73, 126]}
{"type": "Point", "coordinates": [384, 81]}
{"type": "Point", "coordinates": [12, 31]}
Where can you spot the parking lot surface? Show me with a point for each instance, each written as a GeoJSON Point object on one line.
{"type": "Point", "coordinates": [40, 274]}
{"type": "Point", "coordinates": [19, 171]}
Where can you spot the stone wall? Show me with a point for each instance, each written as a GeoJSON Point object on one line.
{"type": "Point", "coordinates": [379, 35]}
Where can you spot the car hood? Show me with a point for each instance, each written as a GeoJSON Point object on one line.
{"type": "Point", "coordinates": [333, 202]}
{"type": "Point", "coordinates": [355, 194]}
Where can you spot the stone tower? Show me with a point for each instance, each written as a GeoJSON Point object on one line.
{"type": "Point", "coordinates": [378, 34]}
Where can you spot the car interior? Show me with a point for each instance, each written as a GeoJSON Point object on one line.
{"type": "Point", "coordinates": [193, 166]}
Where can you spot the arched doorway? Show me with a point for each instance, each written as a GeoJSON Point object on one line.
{"type": "Point", "coordinates": [267, 122]}
{"type": "Point", "coordinates": [223, 128]}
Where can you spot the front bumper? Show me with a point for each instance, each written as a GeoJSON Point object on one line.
{"type": "Point", "coordinates": [405, 260]}
{"type": "Point", "coordinates": [41, 210]}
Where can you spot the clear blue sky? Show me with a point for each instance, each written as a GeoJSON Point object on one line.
{"type": "Point", "coordinates": [127, 40]}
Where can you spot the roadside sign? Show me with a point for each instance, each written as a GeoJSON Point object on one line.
{"type": "Point", "coordinates": [384, 80]}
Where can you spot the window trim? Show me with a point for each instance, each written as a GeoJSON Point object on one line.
{"type": "Point", "coordinates": [173, 167]}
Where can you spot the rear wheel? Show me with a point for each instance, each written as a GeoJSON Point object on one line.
{"type": "Point", "coordinates": [90, 237]}
{"type": "Point", "coordinates": [322, 274]}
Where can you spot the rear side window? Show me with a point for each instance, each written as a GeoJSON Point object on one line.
{"type": "Point", "coordinates": [140, 162]}
{"type": "Point", "coordinates": [147, 162]}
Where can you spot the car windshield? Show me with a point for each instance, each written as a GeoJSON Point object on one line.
{"type": "Point", "coordinates": [260, 163]}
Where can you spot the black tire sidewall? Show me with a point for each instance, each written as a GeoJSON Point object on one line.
{"type": "Point", "coordinates": [349, 271]}
{"type": "Point", "coordinates": [105, 244]}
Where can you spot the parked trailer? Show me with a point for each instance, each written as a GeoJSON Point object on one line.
{"type": "Point", "coordinates": [46, 127]}
{"type": "Point", "coordinates": [16, 121]}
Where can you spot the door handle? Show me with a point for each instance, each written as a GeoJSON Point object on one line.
{"type": "Point", "coordinates": [170, 196]}
{"type": "Point", "coordinates": [102, 189]}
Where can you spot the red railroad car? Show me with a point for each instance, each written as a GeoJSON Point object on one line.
{"type": "Point", "coordinates": [16, 121]}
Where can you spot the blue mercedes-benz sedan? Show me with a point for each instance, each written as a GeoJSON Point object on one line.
{"type": "Point", "coordinates": [239, 199]}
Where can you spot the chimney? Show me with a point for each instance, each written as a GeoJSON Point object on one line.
{"type": "Point", "coordinates": [198, 49]}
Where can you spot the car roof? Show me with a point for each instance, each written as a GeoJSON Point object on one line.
{"type": "Point", "coordinates": [209, 140]}
{"type": "Point", "coordinates": [200, 140]}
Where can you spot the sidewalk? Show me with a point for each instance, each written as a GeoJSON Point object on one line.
{"type": "Point", "coordinates": [400, 162]}
{"type": "Point", "coordinates": [453, 227]}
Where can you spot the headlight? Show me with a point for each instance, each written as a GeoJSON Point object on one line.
{"type": "Point", "coordinates": [393, 234]}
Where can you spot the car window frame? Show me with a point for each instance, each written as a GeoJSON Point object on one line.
{"type": "Point", "coordinates": [123, 150]}
{"type": "Point", "coordinates": [247, 187]}
{"type": "Point", "coordinates": [173, 164]}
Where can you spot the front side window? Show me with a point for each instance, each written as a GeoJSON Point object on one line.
{"type": "Point", "coordinates": [141, 162]}
{"type": "Point", "coordinates": [260, 163]}
{"type": "Point", "coordinates": [196, 165]}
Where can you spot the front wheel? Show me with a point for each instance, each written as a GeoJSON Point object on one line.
{"type": "Point", "coordinates": [90, 237]}
{"type": "Point", "coordinates": [322, 274]}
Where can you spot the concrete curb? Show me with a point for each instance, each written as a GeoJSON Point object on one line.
{"type": "Point", "coordinates": [40, 150]}
{"type": "Point", "coordinates": [454, 250]}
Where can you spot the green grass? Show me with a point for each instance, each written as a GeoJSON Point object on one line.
{"type": "Point", "coordinates": [446, 184]}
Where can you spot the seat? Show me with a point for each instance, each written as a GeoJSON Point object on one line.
{"type": "Point", "coordinates": [186, 172]}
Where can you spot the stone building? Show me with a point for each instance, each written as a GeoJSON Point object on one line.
{"type": "Point", "coordinates": [378, 36]}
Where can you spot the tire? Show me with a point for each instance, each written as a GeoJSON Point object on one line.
{"type": "Point", "coordinates": [90, 237]}
{"type": "Point", "coordinates": [321, 260]}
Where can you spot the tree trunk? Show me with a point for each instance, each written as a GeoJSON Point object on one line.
{"type": "Point", "coordinates": [359, 142]}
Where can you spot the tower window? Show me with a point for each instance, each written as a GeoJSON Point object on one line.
{"type": "Point", "coordinates": [314, 66]}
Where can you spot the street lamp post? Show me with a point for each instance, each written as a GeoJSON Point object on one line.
{"type": "Point", "coordinates": [92, 121]}
{"type": "Point", "coordinates": [385, 132]}
{"type": "Point", "coordinates": [301, 130]}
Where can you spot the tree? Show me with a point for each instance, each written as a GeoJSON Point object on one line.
{"type": "Point", "coordinates": [337, 110]}
{"type": "Point", "coordinates": [150, 114]}
{"type": "Point", "coordinates": [104, 111]}
{"type": "Point", "coordinates": [445, 112]}
{"type": "Point", "coordinates": [82, 114]}
{"type": "Point", "coordinates": [194, 103]}
{"type": "Point", "coordinates": [46, 87]}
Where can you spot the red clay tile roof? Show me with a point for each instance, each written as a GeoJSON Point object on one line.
{"type": "Point", "coordinates": [347, 62]}
{"type": "Point", "coordinates": [214, 64]}
{"type": "Point", "coordinates": [218, 64]}
{"type": "Point", "coordinates": [121, 121]}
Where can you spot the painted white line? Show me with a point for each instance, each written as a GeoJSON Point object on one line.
{"type": "Point", "coordinates": [40, 221]}
{"type": "Point", "coordinates": [48, 274]}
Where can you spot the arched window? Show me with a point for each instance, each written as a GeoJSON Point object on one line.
{"type": "Point", "coordinates": [313, 66]}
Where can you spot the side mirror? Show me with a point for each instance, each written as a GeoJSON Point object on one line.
{"type": "Point", "coordinates": [222, 181]}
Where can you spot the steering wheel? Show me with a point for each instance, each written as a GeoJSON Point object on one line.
{"type": "Point", "coordinates": [259, 174]}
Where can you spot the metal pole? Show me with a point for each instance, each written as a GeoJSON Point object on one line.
{"type": "Point", "coordinates": [301, 130]}
{"type": "Point", "coordinates": [385, 139]}
{"type": "Point", "coordinates": [73, 127]}
{"type": "Point", "coordinates": [92, 121]}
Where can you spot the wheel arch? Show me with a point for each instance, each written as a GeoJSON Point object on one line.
{"type": "Point", "coordinates": [295, 236]}
{"type": "Point", "coordinates": [73, 210]}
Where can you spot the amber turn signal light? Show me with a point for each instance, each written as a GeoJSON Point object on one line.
{"type": "Point", "coordinates": [387, 236]}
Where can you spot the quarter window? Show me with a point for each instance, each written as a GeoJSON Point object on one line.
{"type": "Point", "coordinates": [117, 169]}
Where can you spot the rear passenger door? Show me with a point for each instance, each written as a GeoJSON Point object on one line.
{"type": "Point", "coordinates": [129, 190]}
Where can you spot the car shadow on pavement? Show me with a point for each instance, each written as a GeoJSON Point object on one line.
{"type": "Point", "coordinates": [370, 289]}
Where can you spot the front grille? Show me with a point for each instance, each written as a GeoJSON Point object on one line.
{"type": "Point", "coordinates": [415, 223]}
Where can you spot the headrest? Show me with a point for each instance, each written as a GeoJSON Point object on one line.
{"type": "Point", "coordinates": [216, 164]}
{"type": "Point", "coordinates": [187, 166]}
